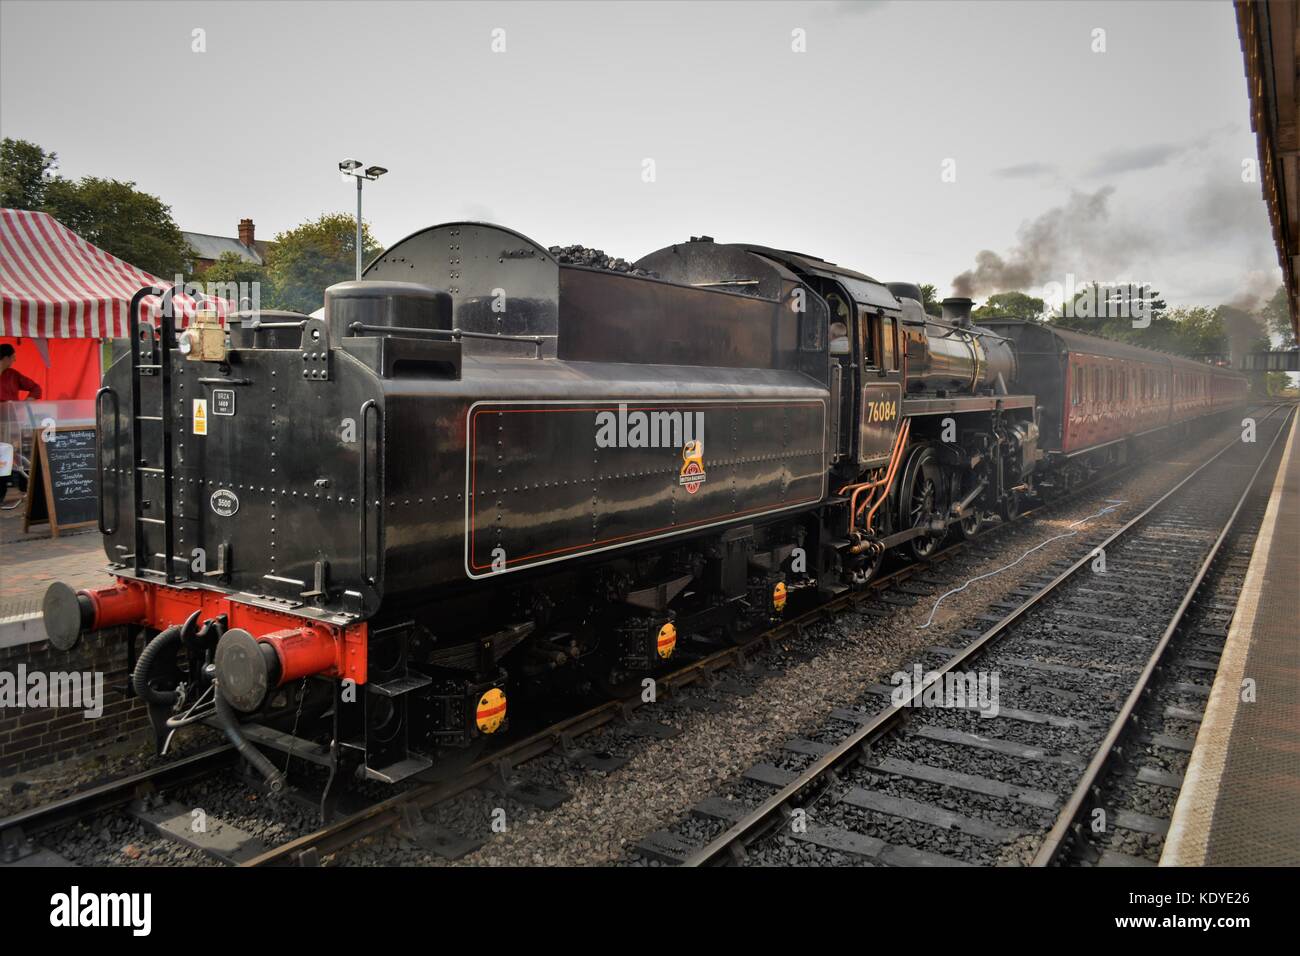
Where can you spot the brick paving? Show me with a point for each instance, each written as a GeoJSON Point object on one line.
{"type": "Point", "coordinates": [30, 562]}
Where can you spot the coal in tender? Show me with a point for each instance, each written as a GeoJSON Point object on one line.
{"type": "Point", "coordinates": [597, 259]}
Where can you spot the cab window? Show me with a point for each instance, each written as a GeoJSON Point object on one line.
{"type": "Point", "coordinates": [888, 347]}
{"type": "Point", "coordinates": [839, 324]}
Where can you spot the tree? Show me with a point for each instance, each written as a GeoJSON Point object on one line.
{"type": "Point", "coordinates": [930, 299]}
{"type": "Point", "coordinates": [1198, 332]}
{"type": "Point", "coordinates": [233, 277]}
{"type": "Point", "coordinates": [134, 226]}
{"type": "Point", "coordinates": [1133, 299]}
{"type": "Point", "coordinates": [1277, 318]}
{"type": "Point", "coordinates": [1276, 383]}
{"type": "Point", "coordinates": [317, 254]}
{"type": "Point", "coordinates": [25, 170]}
{"type": "Point", "coordinates": [1010, 305]}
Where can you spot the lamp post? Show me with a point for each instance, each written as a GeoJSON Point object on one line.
{"type": "Point", "coordinates": [352, 167]}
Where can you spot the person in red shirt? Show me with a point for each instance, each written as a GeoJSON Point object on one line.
{"type": "Point", "coordinates": [13, 381]}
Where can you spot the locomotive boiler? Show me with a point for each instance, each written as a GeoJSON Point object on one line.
{"type": "Point", "coordinates": [486, 477]}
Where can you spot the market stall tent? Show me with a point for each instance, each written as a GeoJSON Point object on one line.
{"type": "Point", "coordinates": [60, 296]}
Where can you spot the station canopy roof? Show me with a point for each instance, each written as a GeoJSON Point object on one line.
{"type": "Point", "coordinates": [55, 284]}
{"type": "Point", "coordinates": [1270, 40]}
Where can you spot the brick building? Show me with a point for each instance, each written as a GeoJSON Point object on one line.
{"type": "Point", "coordinates": [208, 248]}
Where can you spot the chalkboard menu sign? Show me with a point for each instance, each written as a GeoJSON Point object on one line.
{"type": "Point", "coordinates": [63, 487]}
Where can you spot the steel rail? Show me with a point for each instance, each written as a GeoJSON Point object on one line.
{"type": "Point", "coordinates": [388, 813]}
{"type": "Point", "coordinates": [729, 844]}
{"type": "Point", "coordinates": [1123, 725]}
{"type": "Point", "coordinates": [115, 793]}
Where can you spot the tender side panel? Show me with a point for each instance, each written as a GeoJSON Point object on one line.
{"type": "Point", "coordinates": [550, 481]}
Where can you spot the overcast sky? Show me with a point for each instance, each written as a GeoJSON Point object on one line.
{"type": "Point", "coordinates": [1117, 165]}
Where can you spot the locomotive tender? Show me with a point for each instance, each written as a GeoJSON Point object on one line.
{"type": "Point", "coordinates": [485, 477]}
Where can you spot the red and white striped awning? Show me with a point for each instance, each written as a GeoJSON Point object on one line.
{"type": "Point", "coordinates": [54, 284]}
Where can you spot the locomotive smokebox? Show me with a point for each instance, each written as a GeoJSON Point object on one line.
{"type": "Point", "coordinates": [956, 309]}
{"type": "Point", "coordinates": [385, 304]}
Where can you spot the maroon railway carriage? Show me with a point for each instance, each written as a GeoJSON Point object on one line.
{"type": "Point", "coordinates": [1095, 394]}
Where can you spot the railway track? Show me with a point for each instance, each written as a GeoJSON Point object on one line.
{"type": "Point", "coordinates": [941, 785]}
{"type": "Point", "coordinates": [407, 811]}
{"type": "Point", "coordinates": [20, 834]}
{"type": "Point", "coordinates": [1162, 728]}
{"type": "Point", "coordinates": [142, 795]}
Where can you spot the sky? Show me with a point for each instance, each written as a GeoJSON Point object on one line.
{"type": "Point", "coordinates": [1104, 141]}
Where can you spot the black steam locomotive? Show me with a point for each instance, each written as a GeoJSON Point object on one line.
{"type": "Point", "coordinates": [486, 476]}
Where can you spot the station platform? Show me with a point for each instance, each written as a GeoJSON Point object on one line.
{"type": "Point", "coordinates": [30, 561]}
{"type": "Point", "coordinates": [1240, 800]}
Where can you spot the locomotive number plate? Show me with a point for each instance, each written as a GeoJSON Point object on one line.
{"type": "Point", "coordinates": [882, 411]}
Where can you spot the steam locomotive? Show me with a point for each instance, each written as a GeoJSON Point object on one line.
{"type": "Point", "coordinates": [485, 477]}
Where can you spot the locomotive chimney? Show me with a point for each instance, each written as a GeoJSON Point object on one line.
{"type": "Point", "coordinates": [956, 309]}
{"type": "Point", "coordinates": [246, 232]}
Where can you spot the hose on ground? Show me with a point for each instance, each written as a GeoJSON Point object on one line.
{"type": "Point", "coordinates": [230, 725]}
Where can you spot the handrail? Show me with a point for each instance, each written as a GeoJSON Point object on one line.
{"type": "Point", "coordinates": [366, 406]}
{"type": "Point", "coordinates": [117, 457]}
{"type": "Point", "coordinates": [133, 319]}
{"type": "Point", "coordinates": [537, 341]}
{"type": "Point", "coordinates": [167, 341]}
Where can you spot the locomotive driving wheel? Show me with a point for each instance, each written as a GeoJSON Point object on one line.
{"type": "Point", "coordinates": [973, 520]}
{"type": "Point", "coordinates": [970, 525]}
{"type": "Point", "coordinates": [1010, 507]}
{"type": "Point", "coordinates": [919, 500]}
{"type": "Point", "coordinates": [870, 568]}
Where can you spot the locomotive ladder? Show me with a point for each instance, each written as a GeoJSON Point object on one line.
{"type": "Point", "coordinates": [155, 360]}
